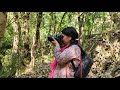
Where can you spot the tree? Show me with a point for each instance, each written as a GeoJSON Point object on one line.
{"type": "Point", "coordinates": [3, 19]}
{"type": "Point", "coordinates": [15, 50]}
{"type": "Point", "coordinates": [81, 22]}
{"type": "Point", "coordinates": [25, 37]}
{"type": "Point", "coordinates": [17, 32]}
{"type": "Point", "coordinates": [35, 41]}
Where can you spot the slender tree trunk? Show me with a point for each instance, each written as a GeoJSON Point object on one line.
{"type": "Point", "coordinates": [35, 42]}
{"type": "Point", "coordinates": [17, 30]}
{"type": "Point", "coordinates": [62, 20]}
{"type": "Point", "coordinates": [90, 30]}
{"type": "Point", "coordinates": [39, 20]}
{"type": "Point", "coordinates": [81, 22]}
{"type": "Point", "coordinates": [15, 50]}
{"type": "Point", "coordinates": [51, 22]}
{"type": "Point", "coordinates": [55, 23]}
{"type": "Point", "coordinates": [26, 41]}
{"type": "Point", "coordinates": [3, 19]}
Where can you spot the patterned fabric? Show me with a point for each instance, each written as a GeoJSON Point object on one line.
{"type": "Point", "coordinates": [63, 59]}
{"type": "Point", "coordinates": [54, 64]}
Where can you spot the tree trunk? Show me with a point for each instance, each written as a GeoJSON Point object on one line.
{"type": "Point", "coordinates": [81, 22]}
{"type": "Point", "coordinates": [51, 22]}
{"type": "Point", "coordinates": [62, 20]}
{"type": "Point", "coordinates": [55, 23]}
{"type": "Point", "coordinates": [39, 20]}
{"type": "Point", "coordinates": [35, 41]}
{"type": "Point", "coordinates": [35, 44]}
{"type": "Point", "coordinates": [3, 19]}
{"type": "Point", "coordinates": [17, 29]}
{"type": "Point", "coordinates": [15, 50]}
{"type": "Point", "coordinates": [26, 41]}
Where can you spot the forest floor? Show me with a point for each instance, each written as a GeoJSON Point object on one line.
{"type": "Point", "coordinates": [105, 53]}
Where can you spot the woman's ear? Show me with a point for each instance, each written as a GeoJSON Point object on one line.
{"type": "Point", "coordinates": [70, 38]}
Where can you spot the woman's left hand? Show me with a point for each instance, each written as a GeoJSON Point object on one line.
{"type": "Point", "coordinates": [55, 42]}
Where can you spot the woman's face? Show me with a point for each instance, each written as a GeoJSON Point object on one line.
{"type": "Point", "coordinates": [66, 39]}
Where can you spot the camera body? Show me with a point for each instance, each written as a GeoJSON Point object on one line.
{"type": "Point", "coordinates": [58, 37]}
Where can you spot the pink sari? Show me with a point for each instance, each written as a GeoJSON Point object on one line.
{"type": "Point", "coordinates": [54, 64]}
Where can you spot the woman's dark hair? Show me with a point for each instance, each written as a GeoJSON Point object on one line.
{"type": "Point", "coordinates": [70, 31]}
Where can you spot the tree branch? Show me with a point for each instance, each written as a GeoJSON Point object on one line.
{"type": "Point", "coordinates": [63, 18]}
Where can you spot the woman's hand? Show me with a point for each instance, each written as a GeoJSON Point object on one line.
{"type": "Point", "coordinates": [55, 42]}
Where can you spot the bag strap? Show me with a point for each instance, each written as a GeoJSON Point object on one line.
{"type": "Point", "coordinates": [73, 65]}
{"type": "Point", "coordinates": [81, 68]}
{"type": "Point", "coordinates": [67, 71]}
{"type": "Point", "coordinates": [78, 65]}
{"type": "Point", "coordinates": [82, 53]}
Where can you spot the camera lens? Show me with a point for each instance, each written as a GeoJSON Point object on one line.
{"type": "Point", "coordinates": [58, 37]}
{"type": "Point", "coordinates": [50, 38]}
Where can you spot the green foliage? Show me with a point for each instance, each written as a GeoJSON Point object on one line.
{"type": "Point", "coordinates": [6, 62]}
{"type": "Point", "coordinates": [8, 38]}
{"type": "Point", "coordinates": [10, 63]}
{"type": "Point", "coordinates": [96, 23]}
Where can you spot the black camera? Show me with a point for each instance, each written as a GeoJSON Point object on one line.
{"type": "Point", "coordinates": [58, 37]}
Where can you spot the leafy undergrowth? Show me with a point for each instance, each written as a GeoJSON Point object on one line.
{"type": "Point", "coordinates": [41, 69]}
{"type": "Point", "coordinates": [106, 56]}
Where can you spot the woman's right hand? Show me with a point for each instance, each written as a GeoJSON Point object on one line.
{"type": "Point", "coordinates": [55, 42]}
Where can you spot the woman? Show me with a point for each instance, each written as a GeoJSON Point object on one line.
{"type": "Point", "coordinates": [62, 67]}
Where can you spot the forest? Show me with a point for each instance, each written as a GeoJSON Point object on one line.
{"type": "Point", "coordinates": [25, 51]}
